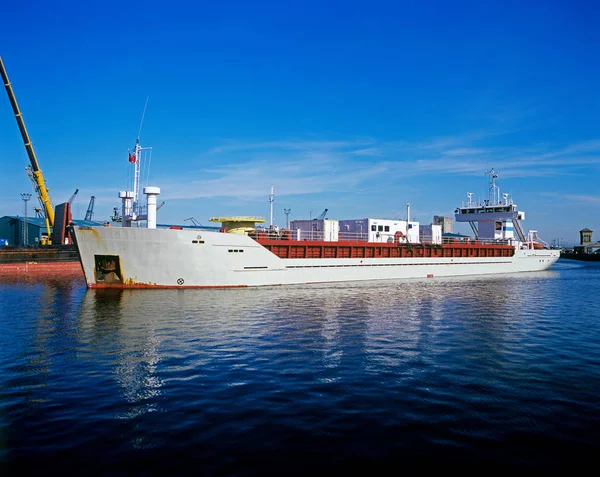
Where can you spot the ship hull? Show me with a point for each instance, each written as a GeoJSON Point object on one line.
{"type": "Point", "coordinates": [169, 258]}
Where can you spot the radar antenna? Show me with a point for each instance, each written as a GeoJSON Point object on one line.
{"type": "Point", "coordinates": [494, 193]}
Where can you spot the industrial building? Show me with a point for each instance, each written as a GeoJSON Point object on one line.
{"type": "Point", "coordinates": [445, 222]}
{"type": "Point", "coordinates": [587, 246]}
{"type": "Point", "coordinates": [13, 231]}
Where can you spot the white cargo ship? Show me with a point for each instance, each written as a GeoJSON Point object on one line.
{"type": "Point", "coordinates": [310, 251]}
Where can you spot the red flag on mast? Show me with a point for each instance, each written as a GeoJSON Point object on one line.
{"type": "Point", "coordinates": [132, 158]}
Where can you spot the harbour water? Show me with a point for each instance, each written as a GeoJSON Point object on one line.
{"type": "Point", "coordinates": [487, 372]}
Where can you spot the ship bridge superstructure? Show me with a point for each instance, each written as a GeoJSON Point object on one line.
{"type": "Point", "coordinates": [496, 218]}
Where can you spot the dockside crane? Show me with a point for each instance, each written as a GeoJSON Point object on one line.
{"type": "Point", "coordinates": [322, 216]}
{"type": "Point", "coordinates": [39, 210]}
{"type": "Point", "coordinates": [40, 189]}
{"type": "Point", "coordinates": [73, 196]}
{"type": "Point", "coordinates": [193, 221]}
{"type": "Point", "coordinates": [90, 209]}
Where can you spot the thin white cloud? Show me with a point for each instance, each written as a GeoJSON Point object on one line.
{"type": "Point", "coordinates": [296, 167]}
{"type": "Point", "coordinates": [368, 151]}
{"type": "Point", "coordinates": [465, 151]}
{"type": "Point", "coordinates": [357, 167]}
{"type": "Point", "coordinates": [576, 148]}
{"type": "Point", "coordinates": [575, 198]}
{"type": "Point", "coordinates": [298, 145]}
{"type": "Point", "coordinates": [316, 174]}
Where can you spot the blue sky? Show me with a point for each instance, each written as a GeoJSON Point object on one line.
{"type": "Point", "coordinates": [358, 107]}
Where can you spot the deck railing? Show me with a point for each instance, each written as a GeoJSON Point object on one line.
{"type": "Point", "coordinates": [317, 235]}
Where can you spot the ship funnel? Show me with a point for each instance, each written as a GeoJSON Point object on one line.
{"type": "Point", "coordinates": [126, 197]}
{"type": "Point", "coordinates": [151, 193]}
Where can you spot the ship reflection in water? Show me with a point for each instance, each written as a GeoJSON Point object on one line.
{"type": "Point", "coordinates": [488, 370]}
{"type": "Point", "coordinates": [124, 342]}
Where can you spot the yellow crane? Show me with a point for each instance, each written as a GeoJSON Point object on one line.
{"type": "Point", "coordinates": [41, 189]}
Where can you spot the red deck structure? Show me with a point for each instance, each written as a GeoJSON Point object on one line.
{"type": "Point", "coordinates": [358, 249]}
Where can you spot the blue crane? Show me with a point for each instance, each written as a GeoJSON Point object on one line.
{"type": "Point", "coordinates": [322, 216]}
{"type": "Point", "coordinates": [90, 209]}
{"type": "Point", "coordinates": [73, 196]}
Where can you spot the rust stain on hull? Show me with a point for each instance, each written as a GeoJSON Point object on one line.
{"type": "Point", "coordinates": [132, 285]}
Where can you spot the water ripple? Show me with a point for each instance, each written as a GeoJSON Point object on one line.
{"type": "Point", "coordinates": [491, 371]}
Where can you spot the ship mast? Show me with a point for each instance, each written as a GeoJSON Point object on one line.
{"type": "Point", "coordinates": [133, 209]}
{"type": "Point", "coordinates": [137, 152]}
{"type": "Point", "coordinates": [494, 193]}
{"type": "Point", "coordinates": [271, 200]}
